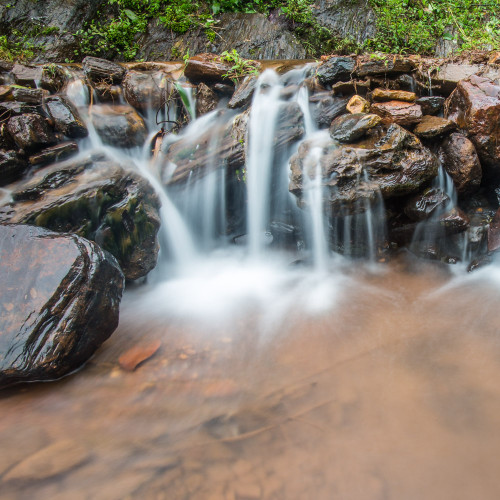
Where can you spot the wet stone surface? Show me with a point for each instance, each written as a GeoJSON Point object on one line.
{"type": "Point", "coordinates": [59, 302]}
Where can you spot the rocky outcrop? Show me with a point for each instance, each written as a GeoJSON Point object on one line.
{"type": "Point", "coordinates": [475, 107]}
{"type": "Point", "coordinates": [195, 156]}
{"type": "Point", "coordinates": [98, 200]}
{"type": "Point", "coordinates": [391, 161]}
{"type": "Point", "coordinates": [60, 298]}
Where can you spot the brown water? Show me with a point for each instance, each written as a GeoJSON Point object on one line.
{"type": "Point", "coordinates": [394, 394]}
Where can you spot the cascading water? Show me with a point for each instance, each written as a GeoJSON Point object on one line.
{"type": "Point", "coordinates": [267, 371]}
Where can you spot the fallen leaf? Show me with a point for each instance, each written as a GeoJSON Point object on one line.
{"type": "Point", "coordinates": [131, 359]}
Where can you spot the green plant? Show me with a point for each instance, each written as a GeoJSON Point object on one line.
{"type": "Point", "coordinates": [415, 26]}
{"type": "Point", "coordinates": [240, 67]}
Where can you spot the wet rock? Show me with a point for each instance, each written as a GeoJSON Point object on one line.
{"type": "Point", "coordinates": [431, 105]}
{"type": "Point", "coordinates": [207, 68]}
{"type": "Point", "coordinates": [30, 132]}
{"type": "Point", "coordinates": [55, 459]}
{"type": "Point", "coordinates": [385, 66]}
{"type": "Point", "coordinates": [448, 75]}
{"type": "Point", "coordinates": [402, 113]}
{"type": "Point", "coordinates": [348, 128]}
{"type": "Point", "coordinates": [223, 89]}
{"type": "Point", "coordinates": [148, 89]}
{"type": "Point", "coordinates": [59, 303]}
{"type": "Point", "coordinates": [431, 202]}
{"type": "Point", "coordinates": [361, 87]}
{"type": "Point", "coordinates": [119, 125]}
{"type": "Point", "coordinates": [475, 107]}
{"type": "Point", "coordinates": [357, 104]}
{"type": "Point", "coordinates": [29, 96]}
{"type": "Point", "coordinates": [335, 69]}
{"type": "Point", "coordinates": [27, 76]}
{"type": "Point", "coordinates": [100, 70]}
{"type": "Point", "coordinates": [12, 167]}
{"type": "Point", "coordinates": [54, 77]}
{"type": "Point", "coordinates": [206, 100]}
{"type": "Point", "coordinates": [108, 93]}
{"type": "Point", "coordinates": [327, 108]}
{"type": "Point", "coordinates": [136, 355]}
{"type": "Point", "coordinates": [432, 126]}
{"type": "Point", "coordinates": [6, 141]}
{"type": "Point", "coordinates": [244, 93]}
{"type": "Point", "coordinates": [66, 117]}
{"type": "Point", "coordinates": [54, 153]}
{"type": "Point", "coordinates": [194, 156]}
{"type": "Point", "coordinates": [453, 222]}
{"type": "Point", "coordinates": [405, 82]}
{"type": "Point", "coordinates": [5, 93]}
{"type": "Point", "coordinates": [98, 200]}
{"type": "Point", "coordinates": [459, 158]}
{"type": "Point", "coordinates": [494, 233]}
{"type": "Point", "coordinates": [391, 161]}
{"type": "Point", "coordinates": [6, 66]}
{"type": "Point", "coordinates": [383, 95]}
{"type": "Point", "coordinates": [8, 109]}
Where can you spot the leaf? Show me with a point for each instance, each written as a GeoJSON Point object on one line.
{"type": "Point", "coordinates": [131, 15]}
{"type": "Point", "coordinates": [185, 99]}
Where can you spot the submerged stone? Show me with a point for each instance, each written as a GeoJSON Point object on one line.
{"type": "Point", "coordinates": [98, 200]}
{"type": "Point", "coordinates": [60, 300]}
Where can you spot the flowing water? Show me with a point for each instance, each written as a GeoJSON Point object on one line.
{"type": "Point", "coordinates": [283, 372]}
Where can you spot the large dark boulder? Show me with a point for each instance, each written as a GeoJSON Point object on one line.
{"type": "Point", "coordinates": [475, 107]}
{"type": "Point", "coordinates": [98, 200]}
{"type": "Point", "coordinates": [12, 167]}
{"type": "Point", "coordinates": [390, 161]}
{"type": "Point", "coordinates": [60, 300]}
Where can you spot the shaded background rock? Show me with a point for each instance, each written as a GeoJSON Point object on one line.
{"type": "Point", "coordinates": [60, 300]}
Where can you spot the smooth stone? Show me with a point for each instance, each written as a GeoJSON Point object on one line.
{"type": "Point", "coordinates": [357, 104]}
{"type": "Point", "coordinates": [60, 300]}
{"type": "Point", "coordinates": [335, 69]}
{"type": "Point", "coordinates": [402, 113]}
{"type": "Point", "coordinates": [55, 153]}
{"type": "Point", "coordinates": [101, 70]}
{"type": "Point", "coordinates": [66, 117]}
{"type": "Point", "coordinates": [383, 95]}
{"type": "Point", "coordinates": [459, 158]}
{"type": "Point", "coordinates": [433, 126]}
{"type": "Point", "coordinates": [348, 128]}
{"type": "Point", "coordinates": [30, 132]}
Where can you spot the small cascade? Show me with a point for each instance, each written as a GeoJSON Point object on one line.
{"type": "Point", "coordinates": [263, 117]}
{"type": "Point", "coordinates": [430, 238]}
